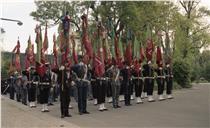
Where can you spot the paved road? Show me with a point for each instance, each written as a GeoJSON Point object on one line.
{"type": "Point", "coordinates": [190, 108]}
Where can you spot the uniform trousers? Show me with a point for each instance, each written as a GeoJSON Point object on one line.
{"type": "Point", "coordinates": [138, 83]}
{"type": "Point", "coordinates": [149, 83]}
{"type": "Point", "coordinates": [64, 101]}
{"type": "Point", "coordinates": [160, 83]}
{"type": "Point", "coordinates": [101, 89]}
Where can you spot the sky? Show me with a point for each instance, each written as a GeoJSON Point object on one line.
{"type": "Point", "coordinates": [20, 10]}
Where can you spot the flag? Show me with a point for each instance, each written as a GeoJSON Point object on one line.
{"type": "Point", "coordinates": [128, 53]}
{"type": "Point", "coordinates": [75, 57]}
{"type": "Point", "coordinates": [159, 56]}
{"type": "Point", "coordinates": [149, 50]}
{"type": "Point", "coordinates": [33, 59]}
{"type": "Point", "coordinates": [38, 42]}
{"type": "Point", "coordinates": [40, 69]}
{"type": "Point", "coordinates": [98, 66]}
{"type": "Point", "coordinates": [16, 59]}
{"type": "Point", "coordinates": [45, 43]}
{"type": "Point", "coordinates": [112, 33]}
{"type": "Point", "coordinates": [142, 56]}
{"type": "Point", "coordinates": [136, 48]}
{"type": "Point", "coordinates": [117, 51]}
{"type": "Point", "coordinates": [149, 44]}
{"type": "Point", "coordinates": [85, 38]}
{"type": "Point", "coordinates": [55, 53]}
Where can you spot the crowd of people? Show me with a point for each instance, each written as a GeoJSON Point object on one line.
{"type": "Point", "coordinates": [80, 82]}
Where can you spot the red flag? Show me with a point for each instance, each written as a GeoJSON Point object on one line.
{"type": "Point", "coordinates": [141, 54]}
{"type": "Point", "coordinates": [75, 57]}
{"type": "Point", "coordinates": [40, 68]}
{"type": "Point", "coordinates": [55, 54]}
{"type": "Point", "coordinates": [45, 43]}
{"type": "Point", "coordinates": [33, 58]}
{"type": "Point", "coordinates": [43, 56]}
{"type": "Point", "coordinates": [128, 53]}
{"type": "Point", "coordinates": [137, 66]}
{"type": "Point", "coordinates": [159, 56]}
{"type": "Point", "coordinates": [85, 38]}
{"type": "Point", "coordinates": [149, 49]}
{"type": "Point", "coordinates": [98, 67]}
{"type": "Point", "coordinates": [16, 60]}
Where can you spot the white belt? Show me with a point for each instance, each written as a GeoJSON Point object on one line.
{"type": "Point", "coordinates": [160, 77]}
{"type": "Point", "coordinates": [148, 77]}
{"type": "Point", "coordinates": [45, 83]}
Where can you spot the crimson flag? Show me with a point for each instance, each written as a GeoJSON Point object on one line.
{"type": "Point", "coordinates": [149, 49]}
{"type": "Point", "coordinates": [128, 53]}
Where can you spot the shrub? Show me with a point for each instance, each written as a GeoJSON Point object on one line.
{"type": "Point", "coordinates": [181, 70]}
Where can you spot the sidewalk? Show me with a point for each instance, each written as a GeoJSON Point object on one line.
{"type": "Point", "coordinates": [16, 115]}
{"type": "Point", "coordinates": [189, 109]}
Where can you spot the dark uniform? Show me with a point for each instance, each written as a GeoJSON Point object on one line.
{"type": "Point", "coordinates": [138, 83]}
{"type": "Point", "coordinates": [32, 86]}
{"type": "Point", "coordinates": [94, 87]}
{"type": "Point", "coordinates": [11, 82]}
{"type": "Point", "coordinates": [101, 89]}
{"type": "Point", "coordinates": [44, 90]}
{"type": "Point", "coordinates": [126, 73]}
{"type": "Point", "coordinates": [108, 86]}
{"type": "Point", "coordinates": [18, 84]}
{"type": "Point", "coordinates": [149, 81]}
{"type": "Point", "coordinates": [169, 81]}
{"type": "Point", "coordinates": [64, 92]}
{"type": "Point", "coordinates": [24, 89]}
{"type": "Point", "coordinates": [160, 82]}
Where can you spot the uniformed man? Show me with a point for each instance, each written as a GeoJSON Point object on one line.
{"type": "Point", "coordinates": [64, 90]}
{"type": "Point", "coordinates": [169, 80]}
{"type": "Point", "coordinates": [126, 73]}
{"type": "Point", "coordinates": [45, 80]}
{"type": "Point", "coordinates": [11, 82]}
{"type": "Point", "coordinates": [94, 87]}
{"type": "Point", "coordinates": [80, 78]}
{"type": "Point", "coordinates": [24, 87]}
{"type": "Point", "coordinates": [18, 84]}
{"type": "Point", "coordinates": [33, 80]}
{"type": "Point", "coordinates": [149, 80]}
{"type": "Point", "coordinates": [137, 80]}
{"type": "Point", "coordinates": [160, 81]}
{"type": "Point", "coordinates": [115, 84]}
{"type": "Point", "coordinates": [108, 85]}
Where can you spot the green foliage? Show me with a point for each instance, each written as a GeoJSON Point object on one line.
{"type": "Point", "coordinates": [206, 72]}
{"type": "Point", "coordinates": [181, 70]}
{"type": "Point", "coordinates": [183, 34]}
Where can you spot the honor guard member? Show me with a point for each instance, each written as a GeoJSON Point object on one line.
{"type": "Point", "coordinates": [115, 84]}
{"type": "Point", "coordinates": [108, 83]}
{"type": "Point", "coordinates": [18, 84]}
{"type": "Point", "coordinates": [160, 81]}
{"type": "Point", "coordinates": [137, 80]}
{"type": "Point", "coordinates": [45, 80]}
{"type": "Point", "coordinates": [24, 86]}
{"type": "Point", "coordinates": [126, 73]}
{"type": "Point", "coordinates": [149, 80]}
{"type": "Point", "coordinates": [80, 75]}
{"type": "Point", "coordinates": [169, 80]}
{"type": "Point", "coordinates": [11, 87]}
{"type": "Point", "coordinates": [64, 91]}
{"type": "Point", "coordinates": [32, 86]}
{"type": "Point", "coordinates": [94, 87]}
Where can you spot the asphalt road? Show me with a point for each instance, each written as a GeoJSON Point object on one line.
{"type": "Point", "coordinates": [190, 108]}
